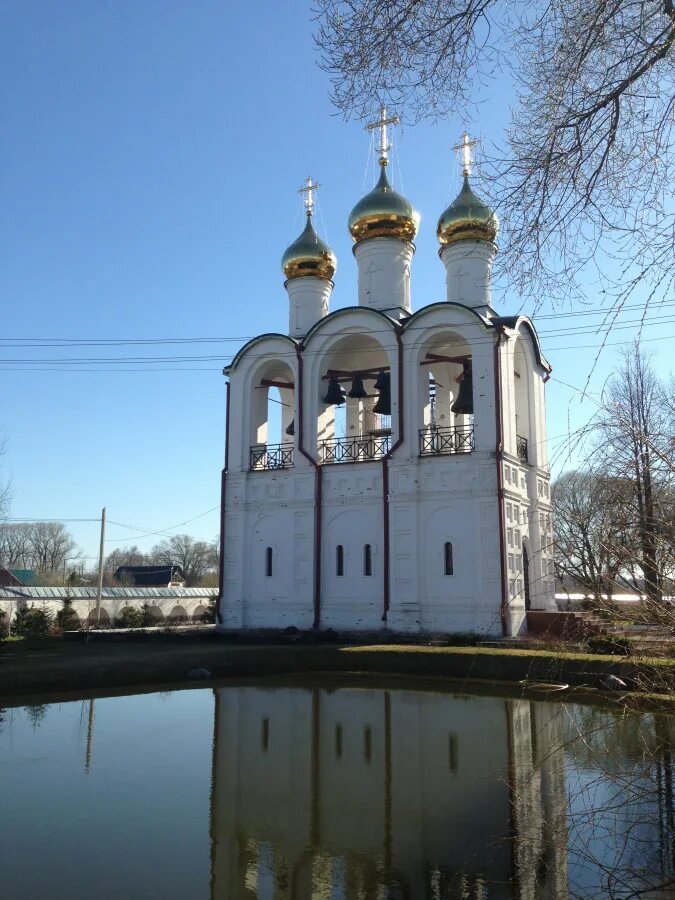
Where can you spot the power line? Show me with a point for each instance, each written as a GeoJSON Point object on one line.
{"type": "Point", "coordinates": [56, 343]}
{"type": "Point", "coordinates": [76, 366]}
{"type": "Point", "coordinates": [561, 332]}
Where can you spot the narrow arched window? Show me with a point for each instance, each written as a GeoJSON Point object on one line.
{"type": "Point", "coordinates": [367, 560]}
{"type": "Point", "coordinates": [269, 562]}
{"type": "Point", "coordinates": [447, 558]}
{"type": "Point", "coordinates": [339, 560]}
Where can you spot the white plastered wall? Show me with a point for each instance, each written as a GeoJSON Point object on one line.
{"type": "Point", "coordinates": [352, 512]}
{"type": "Point", "coordinates": [526, 485]}
{"type": "Point", "coordinates": [384, 274]}
{"type": "Point", "coordinates": [468, 273]}
{"type": "Point", "coordinates": [308, 299]}
{"type": "Point", "coordinates": [448, 497]}
{"type": "Point", "coordinates": [272, 508]}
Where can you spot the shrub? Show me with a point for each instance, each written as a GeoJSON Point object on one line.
{"type": "Point", "coordinates": [462, 639]}
{"type": "Point", "coordinates": [32, 622]}
{"type": "Point", "coordinates": [147, 617]}
{"type": "Point", "coordinates": [128, 617]}
{"type": "Point", "coordinates": [4, 625]}
{"type": "Point", "coordinates": [614, 644]}
{"type": "Point", "coordinates": [66, 618]}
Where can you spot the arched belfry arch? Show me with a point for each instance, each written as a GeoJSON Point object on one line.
{"type": "Point", "coordinates": [355, 342]}
{"type": "Point", "coordinates": [440, 339]}
{"type": "Point", "coordinates": [263, 378]}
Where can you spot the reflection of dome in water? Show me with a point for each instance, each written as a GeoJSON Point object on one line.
{"type": "Point", "coordinates": [467, 219]}
{"type": "Point", "coordinates": [383, 213]}
{"type": "Point", "coordinates": [309, 255]}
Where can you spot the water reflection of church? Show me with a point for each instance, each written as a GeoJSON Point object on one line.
{"type": "Point", "coordinates": [376, 794]}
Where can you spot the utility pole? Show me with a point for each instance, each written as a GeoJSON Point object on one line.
{"type": "Point", "coordinates": [100, 568]}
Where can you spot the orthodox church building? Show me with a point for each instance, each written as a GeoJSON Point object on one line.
{"type": "Point", "coordinates": [405, 484]}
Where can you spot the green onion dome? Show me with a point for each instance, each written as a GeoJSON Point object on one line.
{"type": "Point", "coordinates": [467, 219]}
{"type": "Point", "coordinates": [309, 255]}
{"type": "Point", "coordinates": [383, 213]}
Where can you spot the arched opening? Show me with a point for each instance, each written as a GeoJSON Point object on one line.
{"type": "Point", "coordinates": [201, 614]}
{"type": "Point", "coordinates": [521, 372]}
{"type": "Point", "coordinates": [272, 418]}
{"type": "Point", "coordinates": [269, 562]}
{"type": "Point", "coordinates": [339, 560]}
{"type": "Point", "coordinates": [445, 396]}
{"type": "Point", "coordinates": [178, 614]}
{"type": "Point", "coordinates": [356, 397]}
{"type": "Point", "coordinates": [154, 614]}
{"type": "Point", "coordinates": [367, 559]}
{"type": "Point", "coordinates": [102, 619]}
{"type": "Point", "coordinates": [448, 559]}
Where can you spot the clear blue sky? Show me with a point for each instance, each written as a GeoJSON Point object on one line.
{"type": "Point", "coordinates": [149, 162]}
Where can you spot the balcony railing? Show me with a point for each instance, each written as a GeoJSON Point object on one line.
{"type": "Point", "coordinates": [436, 441]}
{"type": "Point", "coordinates": [270, 456]}
{"type": "Point", "coordinates": [521, 448]}
{"type": "Point", "coordinates": [354, 449]}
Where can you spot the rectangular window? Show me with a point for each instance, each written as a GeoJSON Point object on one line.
{"type": "Point", "coordinates": [265, 734]}
{"type": "Point", "coordinates": [338, 741]}
{"type": "Point", "coordinates": [367, 560]}
{"type": "Point", "coordinates": [268, 562]}
{"type": "Point", "coordinates": [449, 563]}
{"type": "Point", "coordinates": [339, 560]}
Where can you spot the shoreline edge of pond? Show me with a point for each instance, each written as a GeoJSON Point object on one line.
{"type": "Point", "coordinates": [55, 666]}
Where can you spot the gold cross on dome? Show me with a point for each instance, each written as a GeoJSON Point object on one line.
{"type": "Point", "coordinates": [465, 148]}
{"type": "Point", "coordinates": [382, 123]}
{"type": "Point", "coordinates": [308, 189]}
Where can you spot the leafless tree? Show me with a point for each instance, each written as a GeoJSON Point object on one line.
{"type": "Point", "coordinates": [635, 448]}
{"type": "Point", "coordinates": [15, 545]}
{"type": "Point", "coordinates": [124, 556]}
{"type": "Point", "coordinates": [590, 515]}
{"type": "Point", "coordinates": [51, 546]}
{"type": "Point", "coordinates": [194, 557]}
{"type": "Point", "coordinates": [584, 182]}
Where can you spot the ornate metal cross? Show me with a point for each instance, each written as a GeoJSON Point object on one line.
{"type": "Point", "coordinates": [465, 149]}
{"type": "Point", "coordinates": [308, 189]}
{"type": "Point", "coordinates": [382, 123]}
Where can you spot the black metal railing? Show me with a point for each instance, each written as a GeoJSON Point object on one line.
{"type": "Point", "coordinates": [354, 449]}
{"type": "Point", "coordinates": [270, 456]}
{"type": "Point", "coordinates": [521, 448]}
{"type": "Point", "coordinates": [436, 441]}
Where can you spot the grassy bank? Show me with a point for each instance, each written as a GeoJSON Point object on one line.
{"type": "Point", "coordinates": [57, 665]}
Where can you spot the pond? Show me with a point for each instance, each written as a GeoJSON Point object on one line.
{"type": "Point", "coordinates": [334, 790]}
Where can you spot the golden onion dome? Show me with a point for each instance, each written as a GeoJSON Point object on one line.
{"type": "Point", "coordinates": [309, 255]}
{"type": "Point", "coordinates": [383, 213]}
{"type": "Point", "coordinates": [467, 219]}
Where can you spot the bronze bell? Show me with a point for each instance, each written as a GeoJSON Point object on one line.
{"type": "Point", "coordinates": [383, 381]}
{"type": "Point", "coordinates": [357, 391]}
{"type": "Point", "coordinates": [290, 431]}
{"type": "Point", "coordinates": [383, 405]}
{"type": "Point", "coordinates": [463, 405]}
{"type": "Point", "coordinates": [334, 393]}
